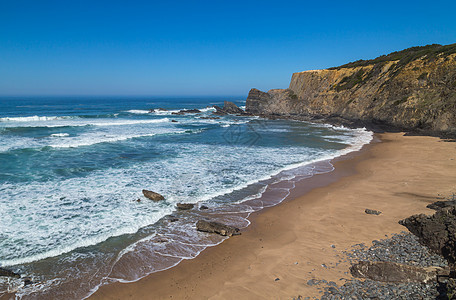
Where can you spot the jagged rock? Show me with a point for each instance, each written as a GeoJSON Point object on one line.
{"type": "Point", "coordinates": [450, 289]}
{"type": "Point", "coordinates": [441, 204]}
{"type": "Point", "coordinates": [186, 111]}
{"type": "Point", "coordinates": [184, 206]}
{"type": "Point", "coordinates": [394, 272]}
{"type": "Point", "coordinates": [232, 108]}
{"type": "Point", "coordinates": [372, 212]}
{"type": "Point", "coordinates": [437, 232]}
{"type": "Point", "coordinates": [219, 111]}
{"type": "Point", "coordinates": [228, 108]}
{"type": "Point", "coordinates": [152, 195]}
{"type": "Point", "coordinates": [173, 121]}
{"type": "Point", "coordinates": [202, 207]}
{"type": "Point", "coordinates": [8, 273]}
{"type": "Point", "coordinates": [215, 227]}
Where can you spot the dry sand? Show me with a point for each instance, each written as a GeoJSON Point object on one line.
{"type": "Point", "coordinates": [399, 176]}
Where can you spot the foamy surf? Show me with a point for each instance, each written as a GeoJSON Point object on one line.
{"type": "Point", "coordinates": [72, 193]}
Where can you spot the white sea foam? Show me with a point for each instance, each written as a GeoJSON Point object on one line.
{"type": "Point", "coordinates": [60, 134]}
{"type": "Point", "coordinates": [88, 140]}
{"type": "Point", "coordinates": [138, 111]}
{"type": "Point", "coordinates": [34, 118]}
{"type": "Point", "coordinates": [53, 123]}
{"type": "Point", "coordinates": [207, 109]}
{"type": "Point", "coordinates": [101, 204]}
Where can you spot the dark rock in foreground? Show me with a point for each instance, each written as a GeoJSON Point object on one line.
{"type": "Point", "coordinates": [8, 273]}
{"type": "Point", "coordinates": [215, 227]}
{"type": "Point", "coordinates": [152, 195]}
{"type": "Point", "coordinates": [401, 248]}
{"type": "Point", "coordinates": [437, 232]}
{"type": "Point", "coordinates": [184, 206]}
{"type": "Point", "coordinates": [372, 212]}
{"type": "Point", "coordinates": [394, 272]}
{"type": "Point", "coordinates": [441, 204]}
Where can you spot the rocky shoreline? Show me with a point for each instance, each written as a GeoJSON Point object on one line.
{"type": "Point", "coordinates": [415, 250]}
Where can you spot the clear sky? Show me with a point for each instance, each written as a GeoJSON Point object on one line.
{"type": "Point", "coordinates": [199, 47]}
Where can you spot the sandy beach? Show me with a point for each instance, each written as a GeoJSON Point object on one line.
{"type": "Point", "coordinates": [303, 237]}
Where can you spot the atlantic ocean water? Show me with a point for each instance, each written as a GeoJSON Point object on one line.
{"type": "Point", "coordinates": [72, 169]}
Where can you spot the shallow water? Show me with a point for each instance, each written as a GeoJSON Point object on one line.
{"type": "Point", "coordinates": [72, 170]}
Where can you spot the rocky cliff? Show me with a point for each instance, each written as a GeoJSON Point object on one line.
{"type": "Point", "coordinates": [413, 89]}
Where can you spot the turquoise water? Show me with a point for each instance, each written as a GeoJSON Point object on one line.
{"type": "Point", "coordinates": [72, 170]}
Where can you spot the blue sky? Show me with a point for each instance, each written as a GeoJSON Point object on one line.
{"type": "Point", "coordinates": [199, 47]}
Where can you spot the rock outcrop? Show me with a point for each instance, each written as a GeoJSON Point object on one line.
{"type": "Point", "coordinates": [215, 227]}
{"type": "Point", "coordinates": [437, 232]}
{"type": "Point", "coordinates": [413, 89]}
{"type": "Point", "coordinates": [229, 108]}
{"type": "Point", "coordinates": [152, 195]}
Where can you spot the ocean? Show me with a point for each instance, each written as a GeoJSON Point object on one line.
{"type": "Point", "coordinates": [72, 171]}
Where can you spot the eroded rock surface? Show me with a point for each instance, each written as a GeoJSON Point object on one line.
{"type": "Point", "coordinates": [216, 227]}
{"type": "Point", "coordinates": [394, 272]}
{"type": "Point", "coordinates": [437, 232]}
{"type": "Point", "coordinates": [184, 206]}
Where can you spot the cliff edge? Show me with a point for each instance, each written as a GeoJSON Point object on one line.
{"type": "Point", "coordinates": [413, 89]}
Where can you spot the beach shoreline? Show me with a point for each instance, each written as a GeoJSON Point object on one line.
{"type": "Point", "coordinates": [303, 237]}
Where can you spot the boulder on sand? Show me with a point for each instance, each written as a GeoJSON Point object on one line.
{"type": "Point", "coordinates": [152, 195]}
{"type": "Point", "coordinates": [372, 211]}
{"type": "Point", "coordinates": [215, 227]}
{"type": "Point", "coordinates": [437, 232]}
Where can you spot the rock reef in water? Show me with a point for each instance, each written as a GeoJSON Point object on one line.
{"type": "Point", "coordinates": [229, 108]}
{"type": "Point", "coordinates": [152, 195]}
{"type": "Point", "coordinates": [413, 89]}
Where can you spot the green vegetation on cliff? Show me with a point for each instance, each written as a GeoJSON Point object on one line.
{"type": "Point", "coordinates": [405, 56]}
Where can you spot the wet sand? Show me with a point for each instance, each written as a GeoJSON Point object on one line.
{"type": "Point", "coordinates": [303, 237]}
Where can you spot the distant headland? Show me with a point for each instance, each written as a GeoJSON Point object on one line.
{"type": "Point", "coordinates": [413, 89]}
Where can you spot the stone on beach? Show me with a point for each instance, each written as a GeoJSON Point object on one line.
{"type": "Point", "coordinates": [152, 195]}
{"type": "Point", "coordinates": [372, 211]}
{"type": "Point", "coordinates": [8, 273]}
{"type": "Point", "coordinates": [216, 227]}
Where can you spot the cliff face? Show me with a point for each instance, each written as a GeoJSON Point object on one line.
{"type": "Point", "coordinates": [411, 89]}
